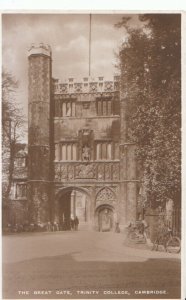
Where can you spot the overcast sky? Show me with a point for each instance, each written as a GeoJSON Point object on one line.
{"type": "Point", "coordinates": [68, 36]}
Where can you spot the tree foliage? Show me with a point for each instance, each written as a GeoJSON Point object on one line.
{"type": "Point", "coordinates": [150, 63]}
{"type": "Point", "coordinates": [12, 131]}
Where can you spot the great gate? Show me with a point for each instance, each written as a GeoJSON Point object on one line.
{"type": "Point", "coordinates": [78, 148]}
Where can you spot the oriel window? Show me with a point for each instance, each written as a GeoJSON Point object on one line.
{"type": "Point", "coordinates": [65, 108]}
{"type": "Point", "coordinates": [66, 151]}
{"type": "Point", "coordinates": [104, 107]}
{"type": "Point", "coordinates": [107, 150]}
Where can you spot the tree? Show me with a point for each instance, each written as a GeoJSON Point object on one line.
{"type": "Point", "coordinates": [150, 63]}
{"type": "Point", "coordinates": [12, 132]}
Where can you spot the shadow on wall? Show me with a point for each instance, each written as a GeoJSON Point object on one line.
{"type": "Point", "coordinates": [114, 131]}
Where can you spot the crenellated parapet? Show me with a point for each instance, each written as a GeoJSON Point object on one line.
{"type": "Point", "coordinates": [86, 85]}
{"type": "Point", "coordinates": [40, 49]}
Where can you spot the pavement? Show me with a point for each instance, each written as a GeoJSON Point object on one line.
{"type": "Point", "coordinates": [86, 264]}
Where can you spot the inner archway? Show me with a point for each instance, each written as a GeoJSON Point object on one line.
{"type": "Point", "coordinates": [73, 204]}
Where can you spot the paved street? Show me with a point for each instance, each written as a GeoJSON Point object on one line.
{"type": "Point", "coordinates": [85, 264]}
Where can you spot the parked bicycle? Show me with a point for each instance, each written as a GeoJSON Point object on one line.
{"type": "Point", "coordinates": [166, 239]}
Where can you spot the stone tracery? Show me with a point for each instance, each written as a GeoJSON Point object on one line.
{"type": "Point", "coordinates": [105, 195]}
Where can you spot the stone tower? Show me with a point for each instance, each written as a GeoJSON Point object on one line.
{"type": "Point", "coordinates": [39, 133]}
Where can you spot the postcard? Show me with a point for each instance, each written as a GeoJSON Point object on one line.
{"type": "Point", "coordinates": [91, 153]}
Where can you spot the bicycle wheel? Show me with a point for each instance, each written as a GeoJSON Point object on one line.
{"type": "Point", "coordinates": [173, 245]}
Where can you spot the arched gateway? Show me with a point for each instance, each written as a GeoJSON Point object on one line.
{"type": "Point", "coordinates": [80, 160]}
{"type": "Point", "coordinates": [96, 211]}
{"type": "Point", "coordinates": [73, 202]}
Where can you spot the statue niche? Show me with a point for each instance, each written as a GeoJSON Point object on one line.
{"type": "Point", "coordinates": [86, 142]}
{"type": "Point", "coordinates": [86, 153]}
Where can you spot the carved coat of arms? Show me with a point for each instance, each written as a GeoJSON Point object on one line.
{"type": "Point", "coordinates": [86, 171]}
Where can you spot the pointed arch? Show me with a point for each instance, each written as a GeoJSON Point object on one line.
{"type": "Point", "coordinates": [105, 196]}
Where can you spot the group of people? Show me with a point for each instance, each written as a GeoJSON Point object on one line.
{"type": "Point", "coordinates": [72, 224]}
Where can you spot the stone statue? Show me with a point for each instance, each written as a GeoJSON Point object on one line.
{"type": "Point", "coordinates": [86, 153]}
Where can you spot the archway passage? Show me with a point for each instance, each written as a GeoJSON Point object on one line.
{"type": "Point", "coordinates": [105, 218]}
{"type": "Point", "coordinates": [73, 205]}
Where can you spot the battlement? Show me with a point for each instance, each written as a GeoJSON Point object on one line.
{"type": "Point", "coordinates": [86, 85]}
{"type": "Point", "coordinates": [40, 48]}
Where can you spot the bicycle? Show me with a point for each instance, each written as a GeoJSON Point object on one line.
{"type": "Point", "coordinates": [170, 242]}
{"type": "Point", "coordinates": [173, 244]}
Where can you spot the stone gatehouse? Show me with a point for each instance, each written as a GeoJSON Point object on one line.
{"type": "Point", "coordinates": [80, 161]}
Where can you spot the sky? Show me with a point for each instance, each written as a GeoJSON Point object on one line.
{"type": "Point", "coordinates": [68, 36]}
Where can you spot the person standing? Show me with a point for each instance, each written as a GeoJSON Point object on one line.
{"type": "Point", "coordinates": [72, 223]}
{"type": "Point", "coordinates": [76, 223]}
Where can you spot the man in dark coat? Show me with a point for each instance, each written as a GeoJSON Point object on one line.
{"type": "Point", "coordinates": [72, 223]}
{"type": "Point", "coordinates": [76, 223]}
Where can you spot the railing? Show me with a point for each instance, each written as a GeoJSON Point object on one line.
{"type": "Point", "coordinates": [176, 221]}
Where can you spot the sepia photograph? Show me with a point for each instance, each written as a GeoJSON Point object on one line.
{"type": "Point", "coordinates": [91, 155]}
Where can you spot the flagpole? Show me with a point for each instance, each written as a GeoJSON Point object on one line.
{"type": "Point", "coordinates": [90, 46]}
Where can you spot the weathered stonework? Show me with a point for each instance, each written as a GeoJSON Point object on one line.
{"type": "Point", "coordinates": [39, 133]}
{"type": "Point", "coordinates": [78, 142]}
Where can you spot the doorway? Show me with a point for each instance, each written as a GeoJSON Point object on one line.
{"type": "Point", "coordinates": [105, 218]}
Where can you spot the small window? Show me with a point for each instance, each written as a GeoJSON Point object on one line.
{"type": "Point", "coordinates": [107, 151]}
{"type": "Point", "coordinates": [21, 190]}
{"type": "Point", "coordinates": [103, 151]}
{"type": "Point", "coordinates": [73, 109]}
{"type": "Point", "coordinates": [65, 108]}
{"type": "Point", "coordinates": [104, 110]}
{"type": "Point", "coordinates": [64, 152]}
{"type": "Point", "coordinates": [74, 152]}
{"type": "Point", "coordinates": [21, 162]}
{"type": "Point", "coordinates": [68, 151]}
{"type": "Point", "coordinates": [109, 108]}
{"type": "Point", "coordinates": [64, 111]}
{"type": "Point", "coordinates": [104, 107]}
{"type": "Point", "coordinates": [98, 151]}
{"type": "Point", "coordinates": [99, 110]}
{"type": "Point", "coordinates": [68, 109]}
